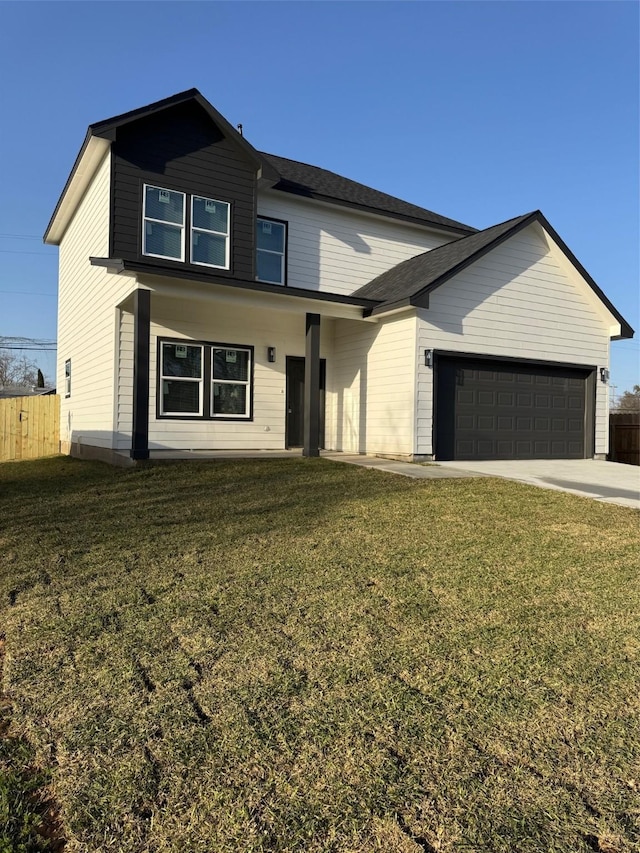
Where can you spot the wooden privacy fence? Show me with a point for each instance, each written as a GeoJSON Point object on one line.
{"type": "Point", "coordinates": [29, 427]}
{"type": "Point", "coordinates": [624, 437]}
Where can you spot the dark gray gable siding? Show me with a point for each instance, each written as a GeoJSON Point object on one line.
{"type": "Point", "coordinates": [182, 149]}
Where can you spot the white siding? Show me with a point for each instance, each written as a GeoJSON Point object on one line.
{"type": "Point", "coordinates": [518, 301]}
{"type": "Point", "coordinates": [373, 385]}
{"type": "Point", "coordinates": [337, 250]}
{"type": "Point", "coordinates": [230, 324]}
{"type": "Point", "coordinates": [86, 320]}
{"type": "Point", "coordinates": [124, 378]}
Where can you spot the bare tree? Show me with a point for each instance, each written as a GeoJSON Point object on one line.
{"type": "Point", "coordinates": [629, 401]}
{"type": "Point", "coordinates": [17, 370]}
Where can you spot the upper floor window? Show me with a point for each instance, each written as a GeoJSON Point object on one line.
{"type": "Point", "coordinates": [210, 232]}
{"type": "Point", "coordinates": [271, 241]}
{"type": "Point", "coordinates": [165, 224]}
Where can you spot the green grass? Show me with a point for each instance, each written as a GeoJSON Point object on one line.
{"type": "Point", "coordinates": [298, 655]}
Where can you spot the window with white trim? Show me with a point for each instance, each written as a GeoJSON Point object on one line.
{"type": "Point", "coordinates": [167, 215]}
{"type": "Point", "coordinates": [163, 223]}
{"type": "Point", "coordinates": [197, 379]}
{"type": "Point", "coordinates": [210, 232]}
{"type": "Point", "coordinates": [271, 241]}
{"type": "Point", "coordinates": [230, 378]}
{"type": "Point", "coordinates": [181, 379]}
{"type": "Point", "coordinates": [67, 378]}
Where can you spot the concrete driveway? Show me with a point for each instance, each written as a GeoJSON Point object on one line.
{"type": "Point", "coordinates": [609, 482]}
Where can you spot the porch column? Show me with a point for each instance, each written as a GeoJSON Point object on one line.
{"type": "Point", "coordinates": [141, 339]}
{"type": "Point", "coordinates": [311, 445]}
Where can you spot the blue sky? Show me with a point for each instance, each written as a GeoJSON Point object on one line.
{"type": "Point", "coordinates": [477, 110]}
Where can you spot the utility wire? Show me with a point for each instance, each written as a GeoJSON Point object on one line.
{"type": "Point", "coordinates": [19, 252]}
{"type": "Point", "coordinates": [28, 292]}
{"type": "Point", "coordinates": [22, 236]}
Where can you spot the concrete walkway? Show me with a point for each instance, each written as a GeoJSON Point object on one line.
{"type": "Point", "coordinates": [405, 469]}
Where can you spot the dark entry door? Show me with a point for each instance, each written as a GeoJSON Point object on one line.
{"type": "Point", "coordinates": [505, 410]}
{"type": "Point", "coordinates": [295, 401]}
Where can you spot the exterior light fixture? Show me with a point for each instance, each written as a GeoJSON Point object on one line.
{"type": "Point", "coordinates": [271, 354]}
{"type": "Point", "coordinates": [604, 374]}
{"type": "Point", "coordinates": [428, 358]}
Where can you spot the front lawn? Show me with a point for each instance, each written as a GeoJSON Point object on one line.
{"type": "Point", "coordinates": [299, 655]}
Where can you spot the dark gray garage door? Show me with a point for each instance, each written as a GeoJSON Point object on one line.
{"type": "Point", "coordinates": [508, 410]}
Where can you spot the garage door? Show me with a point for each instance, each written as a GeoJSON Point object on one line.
{"type": "Point", "coordinates": [507, 410]}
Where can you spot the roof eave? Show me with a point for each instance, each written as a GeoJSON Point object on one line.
{"type": "Point", "coordinates": [120, 265]}
{"type": "Point", "coordinates": [109, 127]}
{"type": "Point", "coordinates": [86, 164]}
{"type": "Point", "coordinates": [626, 331]}
{"type": "Point", "coordinates": [424, 292]}
{"type": "Point", "coordinates": [101, 134]}
{"type": "Point", "coordinates": [424, 223]}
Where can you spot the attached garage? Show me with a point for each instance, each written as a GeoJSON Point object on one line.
{"type": "Point", "coordinates": [509, 409]}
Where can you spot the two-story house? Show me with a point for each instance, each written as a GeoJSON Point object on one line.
{"type": "Point", "coordinates": [215, 297]}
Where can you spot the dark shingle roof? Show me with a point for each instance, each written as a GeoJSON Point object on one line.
{"type": "Point", "coordinates": [411, 282]}
{"type": "Point", "coordinates": [424, 272]}
{"type": "Point", "coordinates": [314, 182]}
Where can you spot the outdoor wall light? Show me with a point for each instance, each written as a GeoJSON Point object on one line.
{"type": "Point", "coordinates": [271, 354]}
{"type": "Point", "coordinates": [604, 374]}
{"type": "Point", "coordinates": [428, 358]}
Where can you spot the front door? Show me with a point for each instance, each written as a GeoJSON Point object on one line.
{"type": "Point", "coordinates": [295, 401]}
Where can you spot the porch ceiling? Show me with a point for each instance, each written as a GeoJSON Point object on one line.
{"type": "Point", "coordinates": [165, 287]}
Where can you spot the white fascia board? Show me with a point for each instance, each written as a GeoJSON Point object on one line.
{"type": "Point", "coordinates": [178, 288]}
{"type": "Point", "coordinates": [83, 175]}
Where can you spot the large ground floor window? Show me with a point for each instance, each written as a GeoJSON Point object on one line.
{"type": "Point", "coordinates": [199, 379]}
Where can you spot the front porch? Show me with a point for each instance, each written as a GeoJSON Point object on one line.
{"type": "Point", "coordinates": [208, 368]}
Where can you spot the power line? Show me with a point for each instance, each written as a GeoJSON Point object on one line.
{"type": "Point", "coordinates": [28, 344]}
{"type": "Point", "coordinates": [19, 252]}
{"type": "Point", "coordinates": [28, 292]}
{"type": "Point", "coordinates": [22, 236]}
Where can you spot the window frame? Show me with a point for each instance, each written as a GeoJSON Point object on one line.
{"type": "Point", "coordinates": [285, 261]}
{"type": "Point", "coordinates": [145, 219]}
{"type": "Point", "coordinates": [67, 378]}
{"type": "Point", "coordinates": [248, 383]}
{"type": "Point", "coordinates": [163, 378]}
{"type": "Point", "coordinates": [194, 228]}
{"type": "Point", "coordinates": [206, 397]}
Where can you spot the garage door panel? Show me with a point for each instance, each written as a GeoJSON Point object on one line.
{"type": "Point", "coordinates": [500, 411]}
{"type": "Point", "coordinates": [464, 422]}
